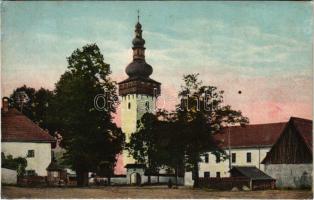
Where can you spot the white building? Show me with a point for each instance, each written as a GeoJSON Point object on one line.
{"type": "Point", "coordinates": [23, 138]}
{"type": "Point", "coordinates": [249, 145]}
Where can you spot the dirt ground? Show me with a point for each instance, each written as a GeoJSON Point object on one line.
{"type": "Point", "coordinates": [9, 192]}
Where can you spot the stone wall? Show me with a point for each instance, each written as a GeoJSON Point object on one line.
{"type": "Point", "coordinates": [188, 179]}
{"type": "Point", "coordinates": [8, 176]}
{"type": "Point", "coordinates": [291, 175]}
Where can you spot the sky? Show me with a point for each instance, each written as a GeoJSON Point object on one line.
{"type": "Point", "coordinates": [263, 49]}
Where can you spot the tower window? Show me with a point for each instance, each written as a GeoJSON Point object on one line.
{"type": "Point", "coordinates": [248, 157]}
{"type": "Point", "coordinates": [129, 105]}
{"type": "Point", "coordinates": [147, 105]}
{"type": "Point", "coordinates": [206, 158]}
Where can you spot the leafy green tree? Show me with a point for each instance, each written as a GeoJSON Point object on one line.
{"type": "Point", "coordinates": [33, 103]}
{"type": "Point", "coordinates": [202, 114]}
{"type": "Point", "coordinates": [170, 146]}
{"type": "Point", "coordinates": [179, 139]}
{"type": "Point", "coordinates": [142, 145]}
{"type": "Point", "coordinates": [19, 164]}
{"type": "Point", "coordinates": [89, 135]}
{"type": "Point", "coordinates": [156, 143]}
{"type": "Point", "coordinates": [23, 99]}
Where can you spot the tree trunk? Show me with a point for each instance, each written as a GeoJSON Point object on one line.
{"type": "Point", "coordinates": [82, 178]}
{"type": "Point", "coordinates": [109, 180]}
{"type": "Point", "coordinates": [196, 175]}
{"type": "Point", "coordinates": [149, 179]}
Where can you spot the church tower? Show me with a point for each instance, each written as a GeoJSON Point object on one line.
{"type": "Point", "coordinates": [139, 92]}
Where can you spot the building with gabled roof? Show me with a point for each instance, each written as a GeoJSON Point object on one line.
{"type": "Point", "coordinates": [290, 160]}
{"type": "Point", "coordinates": [248, 144]}
{"type": "Point", "coordinates": [21, 137]}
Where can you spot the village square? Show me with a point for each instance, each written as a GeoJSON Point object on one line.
{"type": "Point", "coordinates": [186, 128]}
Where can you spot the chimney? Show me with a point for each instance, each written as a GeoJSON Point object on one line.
{"type": "Point", "coordinates": [5, 104]}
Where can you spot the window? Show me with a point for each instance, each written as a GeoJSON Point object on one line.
{"type": "Point", "coordinates": [129, 105]}
{"type": "Point", "coordinates": [206, 174]}
{"type": "Point", "coordinates": [218, 174]}
{"type": "Point", "coordinates": [30, 153]}
{"type": "Point", "coordinates": [206, 158]}
{"type": "Point", "coordinates": [217, 159]}
{"type": "Point", "coordinates": [233, 157]}
{"type": "Point", "coordinates": [147, 105]}
{"type": "Point", "coordinates": [248, 157]}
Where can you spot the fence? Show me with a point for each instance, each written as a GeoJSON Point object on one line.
{"type": "Point", "coordinates": [225, 183]}
{"type": "Point", "coordinates": [32, 181]}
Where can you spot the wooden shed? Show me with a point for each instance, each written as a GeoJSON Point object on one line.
{"type": "Point", "coordinates": [258, 179]}
{"type": "Point", "coordinates": [56, 174]}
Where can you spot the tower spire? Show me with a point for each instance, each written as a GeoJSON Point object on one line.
{"type": "Point", "coordinates": [138, 41]}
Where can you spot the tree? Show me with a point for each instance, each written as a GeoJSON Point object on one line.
{"type": "Point", "coordinates": [202, 114]}
{"type": "Point", "coordinates": [180, 138]}
{"type": "Point", "coordinates": [33, 103]}
{"type": "Point", "coordinates": [22, 99]}
{"type": "Point", "coordinates": [89, 136]}
{"type": "Point", "coordinates": [19, 164]}
{"type": "Point", "coordinates": [157, 143]}
{"type": "Point", "coordinates": [142, 145]}
{"type": "Point", "coordinates": [170, 146]}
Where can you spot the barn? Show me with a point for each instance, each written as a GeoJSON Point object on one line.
{"type": "Point", "coordinates": [290, 159]}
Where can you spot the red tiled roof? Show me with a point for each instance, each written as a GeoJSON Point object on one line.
{"type": "Point", "coordinates": [250, 135]}
{"type": "Point", "coordinates": [16, 127]}
{"type": "Point", "coordinates": [305, 129]}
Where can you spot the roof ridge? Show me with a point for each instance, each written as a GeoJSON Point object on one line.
{"type": "Point", "coordinates": [246, 125]}
{"type": "Point", "coordinates": [298, 118]}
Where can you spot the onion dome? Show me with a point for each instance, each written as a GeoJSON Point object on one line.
{"type": "Point", "coordinates": [138, 41]}
{"type": "Point", "coordinates": [139, 68]}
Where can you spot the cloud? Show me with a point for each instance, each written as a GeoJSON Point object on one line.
{"type": "Point", "coordinates": [268, 67]}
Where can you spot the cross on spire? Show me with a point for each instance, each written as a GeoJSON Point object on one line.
{"type": "Point", "coordinates": [138, 15]}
